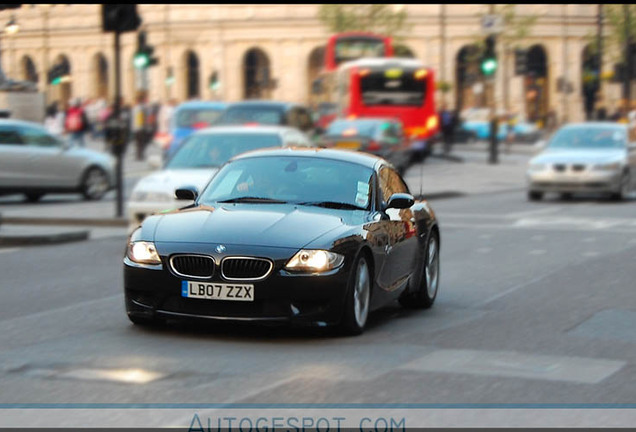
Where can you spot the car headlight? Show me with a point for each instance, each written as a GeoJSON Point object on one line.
{"type": "Point", "coordinates": [614, 166]}
{"type": "Point", "coordinates": [143, 252]}
{"type": "Point", "coordinates": [537, 167]}
{"type": "Point", "coordinates": [314, 261]}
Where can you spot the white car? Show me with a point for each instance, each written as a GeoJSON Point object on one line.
{"type": "Point", "coordinates": [198, 159]}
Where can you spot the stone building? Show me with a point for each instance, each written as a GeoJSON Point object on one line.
{"type": "Point", "coordinates": [285, 42]}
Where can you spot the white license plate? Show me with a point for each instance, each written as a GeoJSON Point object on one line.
{"type": "Point", "coordinates": [217, 291]}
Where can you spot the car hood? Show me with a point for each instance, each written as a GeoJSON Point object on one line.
{"type": "Point", "coordinates": [579, 156]}
{"type": "Point", "coordinates": [170, 179]}
{"type": "Point", "coordinates": [276, 225]}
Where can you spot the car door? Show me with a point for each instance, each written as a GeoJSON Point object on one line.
{"type": "Point", "coordinates": [14, 157]}
{"type": "Point", "coordinates": [403, 234]}
{"type": "Point", "coordinates": [51, 163]}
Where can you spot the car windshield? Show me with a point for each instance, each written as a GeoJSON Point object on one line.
{"type": "Point", "coordinates": [213, 150]}
{"type": "Point", "coordinates": [594, 138]}
{"type": "Point", "coordinates": [252, 114]}
{"type": "Point", "coordinates": [353, 128]}
{"type": "Point", "coordinates": [193, 118]}
{"type": "Point", "coordinates": [301, 180]}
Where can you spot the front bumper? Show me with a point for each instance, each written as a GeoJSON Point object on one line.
{"type": "Point", "coordinates": [588, 181]}
{"type": "Point", "coordinates": [282, 297]}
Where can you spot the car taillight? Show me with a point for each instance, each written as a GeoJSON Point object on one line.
{"type": "Point", "coordinates": [373, 145]}
{"type": "Point", "coordinates": [251, 124]}
{"type": "Point", "coordinates": [200, 125]}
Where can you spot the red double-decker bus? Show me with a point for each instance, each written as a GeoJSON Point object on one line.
{"type": "Point", "coordinates": [391, 87]}
{"type": "Point", "coordinates": [343, 47]}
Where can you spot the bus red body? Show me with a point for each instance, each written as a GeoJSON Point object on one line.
{"type": "Point", "coordinates": [391, 87]}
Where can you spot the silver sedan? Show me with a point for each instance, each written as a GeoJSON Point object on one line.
{"type": "Point", "coordinates": [587, 157]}
{"type": "Point", "coordinates": [34, 162]}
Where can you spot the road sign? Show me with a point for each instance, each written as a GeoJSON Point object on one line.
{"type": "Point", "coordinates": [491, 24]}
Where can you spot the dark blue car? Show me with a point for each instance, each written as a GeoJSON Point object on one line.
{"type": "Point", "coordinates": [188, 118]}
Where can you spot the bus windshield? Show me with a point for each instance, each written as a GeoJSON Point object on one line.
{"type": "Point", "coordinates": [352, 48]}
{"type": "Point", "coordinates": [382, 88]}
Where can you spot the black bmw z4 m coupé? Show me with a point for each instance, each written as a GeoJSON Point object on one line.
{"type": "Point", "coordinates": [312, 237]}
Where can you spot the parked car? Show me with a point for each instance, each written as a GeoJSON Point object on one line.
{"type": "Point", "coordinates": [476, 122]}
{"type": "Point", "coordinates": [317, 238]}
{"type": "Point", "coordinates": [188, 118]}
{"type": "Point", "coordinates": [595, 157]}
{"type": "Point", "coordinates": [326, 113]}
{"type": "Point", "coordinates": [198, 159]}
{"type": "Point", "coordinates": [34, 162]}
{"type": "Point", "coordinates": [269, 113]}
{"type": "Point", "coordinates": [382, 137]}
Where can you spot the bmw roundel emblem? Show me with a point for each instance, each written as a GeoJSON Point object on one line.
{"type": "Point", "coordinates": [220, 249]}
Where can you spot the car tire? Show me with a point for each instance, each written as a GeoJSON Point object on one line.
{"type": "Point", "coordinates": [33, 197]}
{"type": "Point", "coordinates": [423, 287]}
{"type": "Point", "coordinates": [95, 184]}
{"type": "Point", "coordinates": [624, 188]}
{"type": "Point", "coordinates": [535, 196]}
{"type": "Point", "coordinates": [358, 298]}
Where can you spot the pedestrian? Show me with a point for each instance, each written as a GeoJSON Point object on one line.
{"type": "Point", "coordinates": [75, 123]}
{"type": "Point", "coordinates": [138, 126]}
{"type": "Point", "coordinates": [54, 120]}
{"type": "Point", "coordinates": [510, 133]}
{"type": "Point", "coordinates": [111, 135]}
{"type": "Point", "coordinates": [448, 120]}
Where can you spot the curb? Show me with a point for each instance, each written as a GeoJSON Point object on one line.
{"type": "Point", "coordinates": [20, 220]}
{"type": "Point", "coordinates": [43, 239]}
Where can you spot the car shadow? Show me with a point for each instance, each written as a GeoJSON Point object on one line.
{"type": "Point", "coordinates": [587, 198]}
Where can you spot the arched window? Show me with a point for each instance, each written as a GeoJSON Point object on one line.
{"type": "Point", "coordinates": [192, 75]}
{"type": "Point", "coordinates": [257, 74]}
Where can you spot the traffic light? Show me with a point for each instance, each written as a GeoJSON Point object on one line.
{"type": "Point", "coordinates": [214, 81]}
{"type": "Point", "coordinates": [488, 62]}
{"type": "Point", "coordinates": [120, 17]}
{"type": "Point", "coordinates": [143, 57]}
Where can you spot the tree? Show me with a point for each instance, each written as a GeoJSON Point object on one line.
{"type": "Point", "coordinates": [383, 19]}
{"type": "Point", "coordinates": [614, 33]}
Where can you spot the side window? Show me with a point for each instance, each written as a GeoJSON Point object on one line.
{"type": "Point", "coordinates": [37, 137]}
{"type": "Point", "coordinates": [390, 183]}
{"type": "Point", "coordinates": [292, 118]}
{"type": "Point", "coordinates": [9, 136]}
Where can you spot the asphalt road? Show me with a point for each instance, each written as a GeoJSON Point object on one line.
{"type": "Point", "coordinates": [536, 305]}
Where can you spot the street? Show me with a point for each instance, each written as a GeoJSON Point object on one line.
{"type": "Point", "coordinates": [536, 305]}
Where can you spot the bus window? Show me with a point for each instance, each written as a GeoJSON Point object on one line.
{"type": "Point", "coordinates": [381, 88]}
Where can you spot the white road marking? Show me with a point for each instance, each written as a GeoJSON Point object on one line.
{"type": "Point", "coordinates": [590, 254]}
{"type": "Point", "coordinates": [9, 250]}
{"type": "Point", "coordinates": [589, 240]}
{"type": "Point", "coordinates": [484, 250]}
{"type": "Point", "coordinates": [538, 238]}
{"type": "Point", "coordinates": [517, 365]}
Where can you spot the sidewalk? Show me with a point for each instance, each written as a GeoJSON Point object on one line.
{"type": "Point", "coordinates": [467, 172]}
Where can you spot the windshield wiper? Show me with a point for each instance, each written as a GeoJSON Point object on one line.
{"type": "Point", "coordinates": [332, 204]}
{"type": "Point", "coordinates": [251, 199]}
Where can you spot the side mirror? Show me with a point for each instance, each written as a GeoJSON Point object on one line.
{"type": "Point", "coordinates": [186, 193]}
{"type": "Point", "coordinates": [154, 161]}
{"type": "Point", "coordinates": [400, 201]}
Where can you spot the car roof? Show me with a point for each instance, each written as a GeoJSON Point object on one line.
{"type": "Point", "coordinates": [202, 104]}
{"type": "Point", "coordinates": [263, 103]}
{"type": "Point", "coordinates": [17, 122]}
{"type": "Point", "coordinates": [355, 157]}
{"type": "Point", "coordinates": [597, 124]}
{"type": "Point", "coordinates": [255, 129]}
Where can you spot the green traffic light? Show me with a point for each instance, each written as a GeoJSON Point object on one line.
{"type": "Point", "coordinates": [141, 61]}
{"type": "Point", "coordinates": [56, 81]}
{"type": "Point", "coordinates": [489, 66]}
